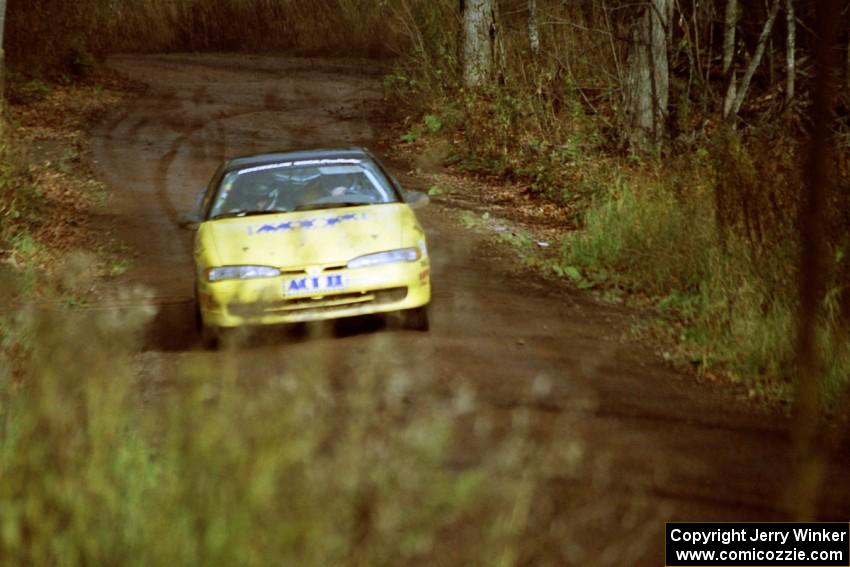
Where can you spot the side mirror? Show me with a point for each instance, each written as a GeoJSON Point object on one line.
{"type": "Point", "coordinates": [190, 221]}
{"type": "Point", "coordinates": [416, 200]}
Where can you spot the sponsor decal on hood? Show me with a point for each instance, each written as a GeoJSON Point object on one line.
{"type": "Point", "coordinates": [307, 224]}
{"type": "Point", "coordinates": [319, 222]}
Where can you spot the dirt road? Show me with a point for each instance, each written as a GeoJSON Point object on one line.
{"type": "Point", "coordinates": [658, 446]}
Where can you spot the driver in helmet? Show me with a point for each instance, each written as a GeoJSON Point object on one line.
{"type": "Point", "coordinates": [258, 197]}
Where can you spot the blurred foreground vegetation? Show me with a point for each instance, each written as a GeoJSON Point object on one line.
{"type": "Point", "coordinates": [215, 474]}
{"type": "Point", "coordinates": [107, 460]}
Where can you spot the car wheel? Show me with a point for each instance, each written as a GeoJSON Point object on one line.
{"type": "Point", "coordinates": [416, 319]}
{"type": "Point", "coordinates": [210, 337]}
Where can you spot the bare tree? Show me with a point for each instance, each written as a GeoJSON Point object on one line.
{"type": "Point", "coordinates": [730, 23]}
{"type": "Point", "coordinates": [790, 47]}
{"type": "Point", "coordinates": [755, 60]}
{"type": "Point", "coordinates": [648, 82]}
{"type": "Point", "coordinates": [478, 41]}
{"type": "Point", "coordinates": [534, 28]}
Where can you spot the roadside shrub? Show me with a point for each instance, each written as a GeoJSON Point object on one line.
{"type": "Point", "coordinates": [648, 236]}
{"type": "Point", "coordinates": [713, 241]}
{"type": "Point", "coordinates": [20, 200]}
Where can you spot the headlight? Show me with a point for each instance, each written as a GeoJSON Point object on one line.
{"type": "Point", "coordinates": [241, 273]}
{"type": "Point", "coordinates": [390, 257]}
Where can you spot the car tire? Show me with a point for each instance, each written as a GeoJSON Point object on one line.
{"type": "Point", "coordinates": [416, 319]}
{"type": "Point", "coordinates": [210, 337]}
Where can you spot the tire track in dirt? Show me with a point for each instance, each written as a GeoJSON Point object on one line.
{"type": "Point", "coordinates": [200, 150]}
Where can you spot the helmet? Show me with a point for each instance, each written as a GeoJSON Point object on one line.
{"type": "Point", "coordinates": [259, 196]}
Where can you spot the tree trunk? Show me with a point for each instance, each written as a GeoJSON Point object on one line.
{"type": "Point", "coordinates": [755, 60]}
{"type": "Point", "coordinates": [2, 21]}
{"type": "Point", "coordinates": [791, 45]}
{"type": "Point", "coordinates": [662, 15]}
{"type": "Point", "coordinates": [648, 88]}
{"type": "Point", "coordinates": [478, 23]}
{"type": "Point", "coordinates": [809, 459]}
{"type": "Point", "coordinates": [534, 29]}
{"type": "Point", "coordinates": [2, 36]}
{"type": "Point", "coordinates": [730, 22]}
{"type": "Point", "coordinates": [2, 70]}
{"type": "Point", "coordinates": [847, 66]}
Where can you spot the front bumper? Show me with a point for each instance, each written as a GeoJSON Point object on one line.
{"type": "Point", "coordinates": [377, 289]}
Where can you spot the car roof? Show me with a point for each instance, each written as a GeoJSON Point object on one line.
{"type": "Point", "coordinates": [297, 155]}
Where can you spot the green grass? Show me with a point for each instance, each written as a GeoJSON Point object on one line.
{"type": "Point", "coordinates": [118, 267]}
{"type": "Point", "coordinates": [649, 240]}
{"type": "Point", "coordinates": [20, 200]}
{"type": "Point", "coordinates": [722, 302]}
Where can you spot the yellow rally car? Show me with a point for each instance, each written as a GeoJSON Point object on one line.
{"type": "Point", "coordinates": [306, 236]}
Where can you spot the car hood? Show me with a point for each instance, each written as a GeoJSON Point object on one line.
{"type": "Point", "coordinates": [295, 240]}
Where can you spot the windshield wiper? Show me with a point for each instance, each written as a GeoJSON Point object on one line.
{"type": "Point", "coordinates": [233, 214]}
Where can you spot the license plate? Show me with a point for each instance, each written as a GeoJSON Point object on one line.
{"type": "Point", "coordinates": [312, 285]}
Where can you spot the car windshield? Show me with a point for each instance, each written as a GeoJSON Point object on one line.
{"type": "Point", "coordinates": [301, 186]}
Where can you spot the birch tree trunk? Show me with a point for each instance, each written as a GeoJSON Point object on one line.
{"type": "Point", "coordinates": [534, 28]}
{"type": "Point", "coordinates": [662, 12]}
{"type": "Point", "coordinates": [477, 42]}
{"type": "Point", "coordinates": [648, 88]}
{"type": "Point", "coordinates": [730, 22]}
{"type": "Point", "coordinates": [791, 46]}
{"type": "Point", "coordinates": [755, 60]}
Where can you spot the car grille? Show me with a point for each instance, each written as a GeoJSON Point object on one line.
{"type": "Point", "coordinates": [318, 305]}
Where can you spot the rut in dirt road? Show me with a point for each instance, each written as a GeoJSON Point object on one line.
{"type": "Point", "coordinates": [655, 445]}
